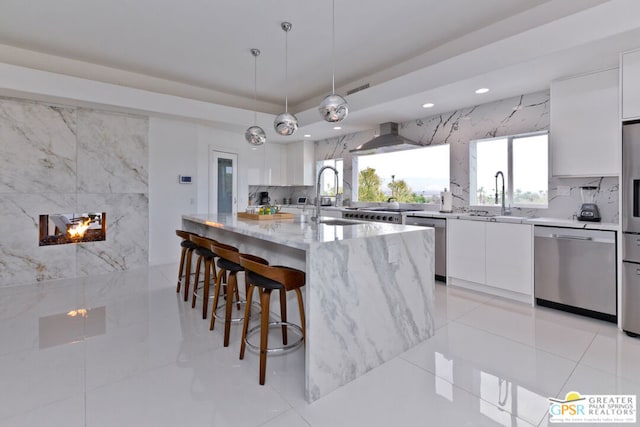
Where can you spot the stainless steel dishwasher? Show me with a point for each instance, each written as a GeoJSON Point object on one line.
{"type": "Point", "coordinates": [440, 226]}
{"type": "Point", "coordinates": [575, 270]}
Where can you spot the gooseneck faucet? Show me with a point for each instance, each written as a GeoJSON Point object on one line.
{"type": "Point", "coordinates": [317, 217]}
{"type": "Point", "coordinates": [503, 210]}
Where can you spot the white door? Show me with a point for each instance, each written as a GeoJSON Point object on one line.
{"type": "Point", "coordinates": [223, 182]}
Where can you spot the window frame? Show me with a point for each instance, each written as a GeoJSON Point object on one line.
{"type": "Point", "coordinates": [509, 175]}
{"type": "Point", "coordinates": [434, 198]}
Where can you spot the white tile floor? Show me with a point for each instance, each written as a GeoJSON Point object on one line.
{"type": "Point", "coordinates": [143, 357]}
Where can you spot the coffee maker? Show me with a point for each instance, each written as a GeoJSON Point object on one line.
{"type": "Point", "coordinates": [264, 198]}
{"type": "Point", "coordinates": [588, 210]}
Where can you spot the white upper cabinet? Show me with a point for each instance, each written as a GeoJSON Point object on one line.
{"type": "Point", "coordinates": [300, 163]}
{"type": "Point", "coordinates": [585, 125]}
{"type": "Point", "coordinates": [268, 165]}
{"type": "Point", "coordinates": [631, 85]}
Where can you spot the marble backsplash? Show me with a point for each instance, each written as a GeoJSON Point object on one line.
{"type": "Point", "coordinates": [278, 194]}
{"type": "Point", "coordinates": [56, 159]}
{"type": "Point", "coordinates": [521, 114]}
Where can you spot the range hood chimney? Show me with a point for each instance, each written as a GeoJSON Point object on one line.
{"type": "Point", "coordinates": [388, 141]}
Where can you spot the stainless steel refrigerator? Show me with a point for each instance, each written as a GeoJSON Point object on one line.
{"type": "Point", "coordinates": [631, 228]}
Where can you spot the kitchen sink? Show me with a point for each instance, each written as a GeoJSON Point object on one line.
{"type": "Point", "coordinates": [339, 222]}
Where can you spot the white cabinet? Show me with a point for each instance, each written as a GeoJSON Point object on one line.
{"type": "Point", "coordinates": [466, 245]}
{"type": "Point", "coordinates": [585, 125]}
{"type": "Point", "coordinates": [509, 255]}
{"type": "Point", "coordinates": [491, 257]}
{"type": "Point", "coordinates": [300, 163]}
{"type": "Point", "coordinates": [631, 85]}
{"type": "Point", "coordinates": [275, 170]}
{"type": "Point", "coordinates": [268, 165]}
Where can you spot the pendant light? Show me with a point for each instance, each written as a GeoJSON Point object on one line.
{"type": "Point", "coordinates": [333, 108]}
{"type": "Point", "coordinates": [285, 123]}
{"type": "Point", "coordinates": [255, 135]}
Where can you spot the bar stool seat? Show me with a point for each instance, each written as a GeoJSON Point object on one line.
{"type": "Point", "coordinates": [267, 279]}
{"type": "Point", "coordinates": [185, 260]}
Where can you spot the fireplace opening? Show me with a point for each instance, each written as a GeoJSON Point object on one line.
{"type": "Point", "coordinates": [62, 229]}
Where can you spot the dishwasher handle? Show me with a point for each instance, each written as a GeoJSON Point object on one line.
{"type": "Point", "coordinates": [565, 236]}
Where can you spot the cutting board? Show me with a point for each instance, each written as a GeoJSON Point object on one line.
{"type": "Point", "coordinates": [265, 217]}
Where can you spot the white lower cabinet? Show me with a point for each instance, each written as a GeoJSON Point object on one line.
{"type": "Point", "coordinates": [491, 257]}
{"type": "Point", "coordinates": [509, 253]}
{"type": "Point", "coordinates": [466, 245]}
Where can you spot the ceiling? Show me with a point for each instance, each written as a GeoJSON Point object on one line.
{"type": "Point", "coordinates": [408, 51]}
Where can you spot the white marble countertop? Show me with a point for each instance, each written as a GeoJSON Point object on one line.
{"type": "Point", "coordinates": [296, 233]}
{"type": "Point", "coordinates": [552, 222]}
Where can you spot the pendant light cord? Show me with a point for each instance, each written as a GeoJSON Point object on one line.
{"type": "Point", "coordinates": [255, 89]}
{"type": "Point", "coordinates": [286, 67]}
{"type": "Point", "coordinates": [333, 47]}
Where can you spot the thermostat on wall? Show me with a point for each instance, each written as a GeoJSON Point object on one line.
{"type": "Point", "coordinates": [184, 179]}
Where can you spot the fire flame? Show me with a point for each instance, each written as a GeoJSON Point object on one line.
{"type": "Point", "coordinates": [77, 231]}
{"type": "Point", "coordinates": [79, 312]}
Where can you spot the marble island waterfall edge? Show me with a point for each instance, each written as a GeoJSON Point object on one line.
{"type": "Point", "coordinates": [367, 299]}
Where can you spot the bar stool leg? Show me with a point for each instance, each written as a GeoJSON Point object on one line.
{"type": "Point", "coordinates": [182, 255]}
{"type": "Point", "coordinates": [205, 290]}
{"type": "Point", "coordinates": [265, 296]}
{"type": "Point", "coordinates": [221, 274]}
{"type": "Point", "coordinates": [231, 288]}
{"type": "Point", "coordinates": [283, 314]}
{"type": "Point", "coordinates": [187, 275]}
{"type": "Point", "coordinates": [245, 323]}
{"type": "Point", "coordinates": [195, 281]}
{"type": "Point", "coordinates": [303, 323]}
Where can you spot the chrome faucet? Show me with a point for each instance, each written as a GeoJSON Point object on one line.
{"type": "Point", "coordinates": [316, 219]}
{"type": "Point", "coordinates": [503, 210]}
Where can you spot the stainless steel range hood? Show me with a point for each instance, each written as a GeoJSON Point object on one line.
{"type": "Point", "coordinates": [388, 141]}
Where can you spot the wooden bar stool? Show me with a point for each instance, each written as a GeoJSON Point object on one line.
{"type": "Point", "coordinates": [185, 260]}
{"type": "Point", "coordinates": [269, 278]}
{"type": "Point", "coordinates": [206, 256]}
{"type": "Point", "coordinates": [228, 262]}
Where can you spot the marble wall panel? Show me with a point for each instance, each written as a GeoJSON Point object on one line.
{"type": "Point", "coordinates": [521, 114]}
{"type": "Point", "coordinates": [38, 147]}
{"type": "Point", "coordinates": [113, 152]}
{"type": "Point", "coordinates": [127, 242]}
{"type": "Point", "coordinates": [56, 159]}
{"type": "Point", "coordinates": [21, 259]}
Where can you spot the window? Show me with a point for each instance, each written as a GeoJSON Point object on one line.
{"type": "Point", "coordinates": [410, 176]}
{"type": "Point", "coordinates": [523, 160]}
{"type": "Point", "coordinates": [328, 180]}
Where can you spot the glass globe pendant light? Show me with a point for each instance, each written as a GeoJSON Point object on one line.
{"type": "Point", "coordinates": [285, 123]}
{"type": "Point", "coordinates": [255, 135]}
{"type": "Point", "coordinates": [333, 108]}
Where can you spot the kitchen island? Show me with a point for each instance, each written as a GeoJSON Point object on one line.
{"type": "Point", "coordinates": [369, 287]}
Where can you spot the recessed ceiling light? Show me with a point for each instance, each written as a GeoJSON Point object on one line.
{"type": "Point", "coordinates": [482, 90]}
{"type": "Point", "coordinates": [307, 135]}
{"type": "Point", "coordinates": [337, 127]}
{"type": "Point", "coordinates": [427, 105]}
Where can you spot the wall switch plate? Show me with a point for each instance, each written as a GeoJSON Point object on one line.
{"type": "Point", "coordinates": [456, 191]}
{"type": "Point", "coordinates": [563, 190]}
